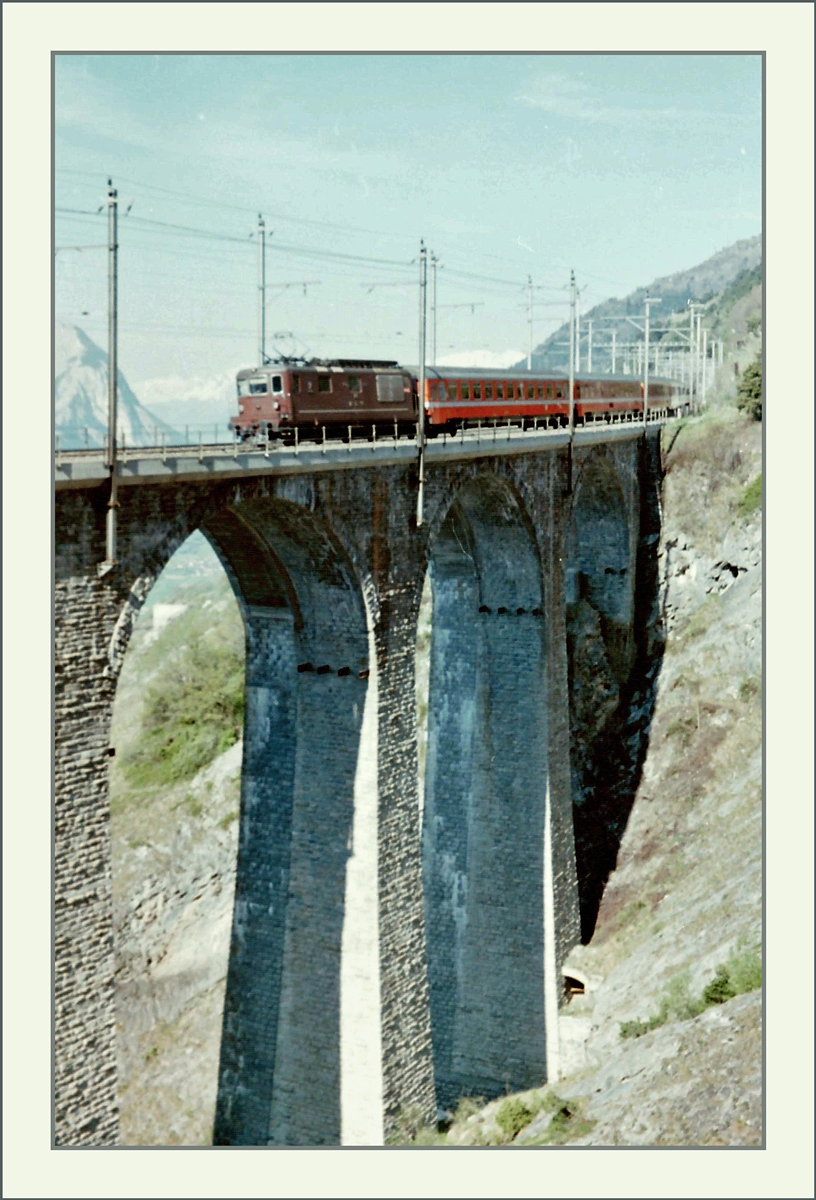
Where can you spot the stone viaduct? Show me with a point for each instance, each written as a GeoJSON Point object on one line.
{"type": "Point", "coordinates": [466, 899]}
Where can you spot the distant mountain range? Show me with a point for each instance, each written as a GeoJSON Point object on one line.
{"type": "Point", "coordinates": [700, 283]}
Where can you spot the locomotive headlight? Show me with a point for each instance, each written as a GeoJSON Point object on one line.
{"type": "Point", "coordinates": [240, 408]}
{"type": "Point", "coordinates": [276, 406]}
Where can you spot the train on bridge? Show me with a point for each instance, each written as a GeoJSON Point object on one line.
{"type": "Point", "coordinates": [352, 397]}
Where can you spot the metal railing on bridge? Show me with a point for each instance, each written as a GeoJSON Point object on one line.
{"type": "Point", "coordinates": [72, 442]}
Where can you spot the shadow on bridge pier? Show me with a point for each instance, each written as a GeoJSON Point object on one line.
{"type": "Point", "coordinates": [615, 645]}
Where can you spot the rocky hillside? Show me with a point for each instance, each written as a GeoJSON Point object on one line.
{"type": "Point", "coordinates": [713, 280]}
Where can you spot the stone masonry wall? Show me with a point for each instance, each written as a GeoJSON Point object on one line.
{"type": "Point", "coordinates": [367, 519]}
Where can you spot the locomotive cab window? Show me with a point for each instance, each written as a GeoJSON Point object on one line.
{"type": "Point", "coordinates": [277, 384]}
{"type": "Point", "coordinates": [253, 387]}
{"type": "Point", "coordinates": [355, 384]}
{"type": "Point", "coordinates": [324, 383]}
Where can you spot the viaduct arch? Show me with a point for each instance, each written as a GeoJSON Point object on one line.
{"type": "Point", "coordinates": [328, 569]}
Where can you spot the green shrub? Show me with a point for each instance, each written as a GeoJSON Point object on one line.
{"type": "Point", "coordinates": [749, 392]}
{"type": "Point", "coordinates": [192, 713]}
{"type": "Point", "coordinates": [513, 1116]}
{"type": "Point", "coordinates": [721, 988]}
{"type": "Point", "coordinates": [751, 498]}
{"type": "Point", "coordinates": [742, 973]}
{"type": "Point", "coordinates": [749, 688]}
{"type": "Point", "coordinates": [567, 1123]}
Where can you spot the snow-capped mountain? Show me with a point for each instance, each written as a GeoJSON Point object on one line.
{"type": "Point", "coordinates": [81, 395]}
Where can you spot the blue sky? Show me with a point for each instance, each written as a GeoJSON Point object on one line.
{"type": "Point", "coordinates": [625, 167]}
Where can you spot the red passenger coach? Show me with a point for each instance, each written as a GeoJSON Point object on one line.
{"type": "Point", "coordinates": [457, 398]}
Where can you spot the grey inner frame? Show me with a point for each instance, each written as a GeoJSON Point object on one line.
{"type": "Point", "coordinates": [484, 810]}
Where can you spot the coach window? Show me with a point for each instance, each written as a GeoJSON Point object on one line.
{"type": "Point", "coordinates": [465, 390]}
{"type": "Point", "coordinates": [488, 391]}
{"type": "Point", "coordinates": [559, 392]}
{"type": "Point", "coordinates": [324, 383]}
{"type": "Point", "coordinates": [277, 384]}
{"type": "Point", "coordinates": [531, 391]}
{"type": "Point", "coordinates": [477, 391]}
{"type": "Point", "coordinates": [355, 383]}
{"type": "Point", "coordinates": [499, 391]}
{"type": "Point", "coordinates": [549, 391]}
{"type": "Point", "coordinates": [451, 387]}
{"type": "Point", "coordinates": [510, 391]}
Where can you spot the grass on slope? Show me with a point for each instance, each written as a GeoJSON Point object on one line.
{"type": "Point", "coordinates": [180, 699]}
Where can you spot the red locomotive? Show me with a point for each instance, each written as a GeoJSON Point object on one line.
{"type": "Point", "coordinates": [353, 397]}
{"type": "Point", "coordinates": [343, 396]}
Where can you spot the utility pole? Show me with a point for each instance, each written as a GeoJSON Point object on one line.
{"type": "Point", "coordinates": [649, 300]}
{"type": "Point", "coordinates": [434, 261]}
{"type": "Point", "coordinates": [705, 365]}
{"type": "Point", "coordinates": [573, 307]}
{"type": "Point", "coordinates": [113, 282]}
{"type": "Point", "coordinates": [691, 356]}
{"type": "Point", "coordinates": [423, 288]}
{"type": "Point", "coordinates": [577, 332]}
{"type": "Point", "coordinates": [571, 380]}
{"type": "Point", "coordinates": [614, 349]}
{"type": "Point", "coordinates": [589, 346]}
{"type": "Point", "coordinates": [694, 352]}
{"type": "Point", "coordinates": [529, 322]}
{"type": "Point", "coordinates": [261, 291]}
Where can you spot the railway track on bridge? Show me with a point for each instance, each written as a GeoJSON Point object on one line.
{"type": "Point", "coordinates": [87, 467]}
